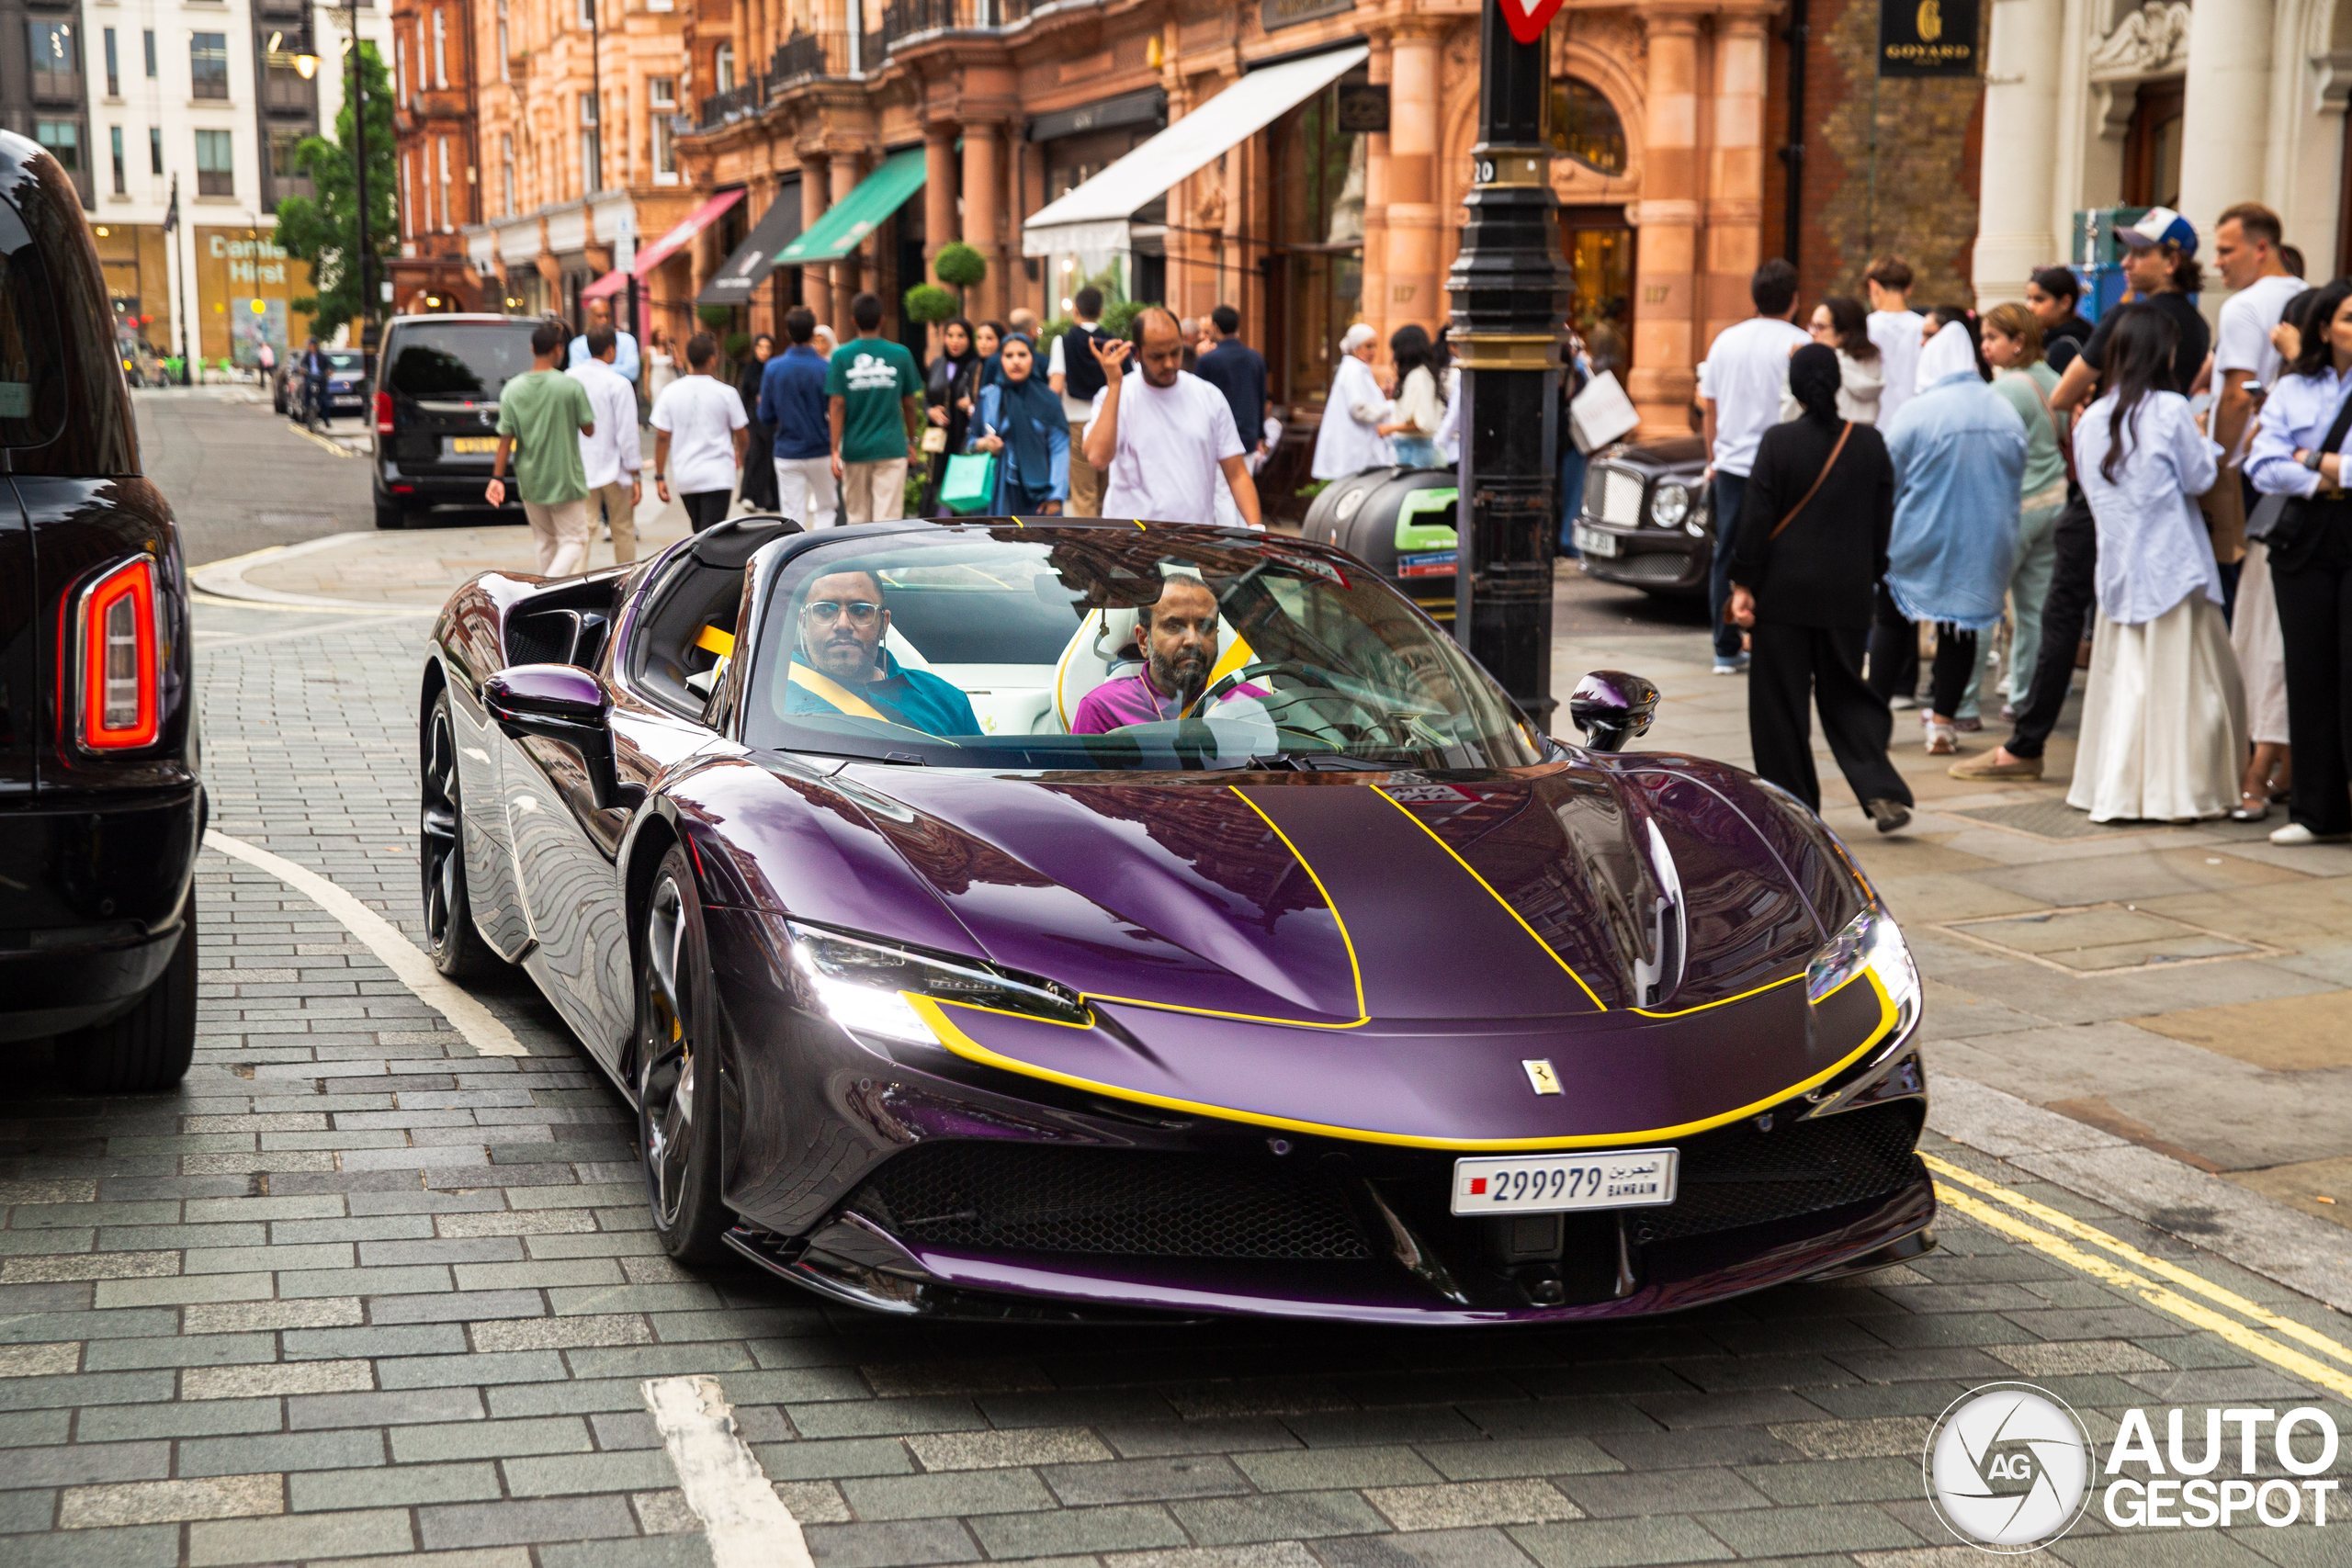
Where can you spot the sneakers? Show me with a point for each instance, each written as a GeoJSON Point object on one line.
{"type": "Point", "coordinates": [1967, 726]}
{"type": "Point", "coordinates": [1942, 739]}
{"type": "Point", "coordinates": [1887, 815]}
{"type": "Point", "coordinates": [2294, 835]}
{"type": "Point", "coordinates": [1991, 767]}
{"type": "Point", "coordinates": [1903, 702]}
{"type": "Point", "coordinates": [1735, 665]}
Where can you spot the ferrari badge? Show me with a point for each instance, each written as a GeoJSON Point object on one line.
{"type": "Point", "coordinates": [1541, 1076]}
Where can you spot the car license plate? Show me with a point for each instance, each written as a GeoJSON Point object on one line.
{"type": "Point", "coordinates": [461, 445]}
{"type": "Point", "coordinates": [1593, 542]}
{"type": "Point", "coordinates": [1542, 1184]}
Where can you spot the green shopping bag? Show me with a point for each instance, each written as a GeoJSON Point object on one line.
{"type": "Point", "coordinates": [969, 484]}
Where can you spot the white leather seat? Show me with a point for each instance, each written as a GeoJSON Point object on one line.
{"type": "Point", "coordinates": [1104, 647]}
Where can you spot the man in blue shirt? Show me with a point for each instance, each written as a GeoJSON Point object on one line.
{"type": "Point", "coordinates": [841, 666]}
{"type": "Point", "coordinates": [1238, 371]}
{"type": "Point", "coordinates": [792, 403]}
{"type": "Point", "coordinates": [625, 361]}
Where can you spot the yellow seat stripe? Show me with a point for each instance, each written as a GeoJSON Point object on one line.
{"type": "Point", "coordinates": [711, 639]}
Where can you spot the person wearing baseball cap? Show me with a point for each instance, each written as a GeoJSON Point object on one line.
{"type": "Point", "coordinates": [2160, 263]}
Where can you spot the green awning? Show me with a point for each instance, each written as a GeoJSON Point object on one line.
{"type": "Point", "coordinates": [859, 213]}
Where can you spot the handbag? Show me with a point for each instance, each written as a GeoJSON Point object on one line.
{"type": "Point", "coordinates": [969, 484]}
{"type": "Point", "coordinates": [1600, 413]}
{"type": "Point", "coordinates": [1791, 515]}
{"type": "Point", "coordinates": [935, 440]}
{"type": "Point", "coordinates": [2295, 528]}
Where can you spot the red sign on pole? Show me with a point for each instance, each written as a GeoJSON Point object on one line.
{"type": "Point", "coordinates": [1528, 18]}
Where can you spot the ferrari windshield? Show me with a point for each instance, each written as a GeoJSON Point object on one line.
{"type": "Point", "coordinates": [1101, 647]}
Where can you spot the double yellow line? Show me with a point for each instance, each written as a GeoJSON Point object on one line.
{"type": "Point", "coordinates": [2166, 1286]}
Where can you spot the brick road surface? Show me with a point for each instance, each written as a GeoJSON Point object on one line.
{"type": "Point", "coordinates": [352, 1293]}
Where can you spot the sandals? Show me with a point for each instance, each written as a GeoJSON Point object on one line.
{"type": "Point", "coordinates": [2252, 807]}
{"type": "Point", "coordinates": [1943, 738]}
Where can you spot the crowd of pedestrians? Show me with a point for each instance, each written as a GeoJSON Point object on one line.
{"type": "Point", "coordinates": [2170, 494]}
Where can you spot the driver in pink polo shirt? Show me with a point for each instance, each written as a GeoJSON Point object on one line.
{"type": "Point", "coordinates": [1178, 639]}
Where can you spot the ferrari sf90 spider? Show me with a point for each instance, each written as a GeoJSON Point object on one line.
{"type": "Point", "coordinates": [1051, 919]}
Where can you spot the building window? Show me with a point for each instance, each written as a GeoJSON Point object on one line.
{"type": "Point", "coordinates": [63, 140]}
{"type": "Point", "coordinates": [408, 201]}
{"type": "Point", "coordinates": [722, 68]}
{"type": "Point", "coordinates": [216, 169]}
{"type": "Point", "coordinates": [155, 151]}
{"type": "Point", "coordinates": [440, 48]}
{"type": "Point", "coordinates": [506, 173]}
{"type": "Point", "coordinates": [399, 68]}
{"type": "Point", "coordinates": [285, 155]}
{"type": "Point", "coordinates": [114, 68]}
{"type": "Point", "coordinates": [2152, 145]}
{"type": "Point", "coordinates": [1585, 126]}
{"type": "Point", "coordinates": [588, 13]}
{"type": "Point", "coordinates": [445, 184]}
{"type": "Point", "coordinates": [56, 72]}
{"type": "Point", "coordinates": [1318, 172]}
{"type": "Point", "coordinates": [207, 65]}
{"type": "Point", "coordinates": [591, 151]}
{"type": "Point", "coordinates": [121, 172]}
{"type": "Point", "coordinates": [147, 40]}
{"type": "Point", "coordinates": [662, 91]}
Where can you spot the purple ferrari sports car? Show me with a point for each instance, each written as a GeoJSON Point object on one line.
{"type": "Point", "coordinates": [1054, 919]}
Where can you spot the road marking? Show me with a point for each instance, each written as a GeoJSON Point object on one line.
{"type": "Point", "coordinates": [199, 596]}
{"type": "Point", "coordinates": [204, 643]}
{"type": "Point", "coordinates": [226, 579]}
{"type": "Point", "coordinates": [745, 1522]}
{"type": "Point", "coordinates": [2161, 1297]}
{"type": "Point", "coordinates": [315, 439]}
{"type": "Point", "coordinates": [480, 1026]}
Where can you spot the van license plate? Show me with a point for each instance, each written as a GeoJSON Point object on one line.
{"type": "Point", "coordinates": [462, 446]}
{"type": "Point", "coordinates": [1542, 1184]}
{"type": "Point", "coordinates": [1593, 542]}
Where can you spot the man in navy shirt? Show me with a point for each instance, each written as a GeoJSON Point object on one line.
{"type": "Point", "coordinates": [792, 402]}
{"type": "Point", "coordinates": [1238, 371]}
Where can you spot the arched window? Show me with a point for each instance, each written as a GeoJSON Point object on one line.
{"type": "Point", "coordinates": [722, 67]}
{"type": "Point", "coordinates": [1585, 126]}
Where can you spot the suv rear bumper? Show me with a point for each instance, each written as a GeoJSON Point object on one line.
{"type": "Point", "coordinates": [412, 491]}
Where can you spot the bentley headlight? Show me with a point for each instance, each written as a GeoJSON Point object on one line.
{"type": "Point", "coordinates": [1869, 942]}
{"type": "Point", "coordinates": [1670, 506]}
{"type": "Point", "coordinates": [868, 987]}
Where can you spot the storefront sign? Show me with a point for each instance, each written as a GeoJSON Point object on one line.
{"type": "Point", "coordinates": [245, 286]}
{"type": "Point", "coordinates": [1363, 108]}
{"type": "Point", "coordinates": [1276, 14]}
{"type": "Point", "coordinates": [1927, 38]}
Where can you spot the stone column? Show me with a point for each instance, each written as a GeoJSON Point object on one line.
{"type": "Point", "coordinates": [1735, 209]}
{"type": "Point", "coordinates": [983, 215]}
{"type": "Point", "coordinates": [1415, 291]}
{"type": "Point", "coordinates": [1374, 302]}
{"type": "Point", "coordinates": [2225, 117]}
{"type": "Point", "coordinates": [2016, 190]}
{"type": "Point", "coordinates": [762, 301]}
{"type": "Point", "coordinates": [816, 282]}
{"type": "Point", "coordinates": [1665, 350]}
{"type": "Point", "coordinates": [845, 174]}
{"type": "Point", "coordinates": [938, 187]}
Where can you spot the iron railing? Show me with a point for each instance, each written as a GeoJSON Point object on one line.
{"type": "Point", "coordinates": [732, 105]}
{"type": "Point", "coordinates": [806, 56]}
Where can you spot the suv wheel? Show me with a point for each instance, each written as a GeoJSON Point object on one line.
{"type": "Point", "coordinates": [149, 1047]}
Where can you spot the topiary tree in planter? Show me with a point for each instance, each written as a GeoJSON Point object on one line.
{"type": "Point", "coordinates": [959, 266]}
{"type": "Point", "coordinates": [929, 304]}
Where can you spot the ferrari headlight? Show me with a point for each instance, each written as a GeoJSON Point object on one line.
{"type": "Point", "coordinates": [1869, 942]}
{"type": "Point", "coordinates": [1670, 506]}
{"type": "Point", "coordinates": [865, 987]}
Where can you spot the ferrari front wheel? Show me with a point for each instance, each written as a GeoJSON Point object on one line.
{"type": "Point", "coordinates": [677, 1068]}
{"type": "Point", "coordinates": [457, 947]}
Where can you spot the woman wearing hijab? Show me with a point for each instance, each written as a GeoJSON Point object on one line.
{"type": "Point", "coordinates": [1803, 587]}
{"type": "Point", "coordinates": [1349, 439]}
{"type": "Point", "coordinates": [940, 406]}
{"type": "Point", "coordinates": [1020, 419]}
{"type": "Point", "coordinates": [1958, 454]}
{"type": "Point", "coordinates": [1842, 324]}
{"type": "Point", "coordinates": [759, 492]}
{"type": "Point", "coordinates": [2163, 721]}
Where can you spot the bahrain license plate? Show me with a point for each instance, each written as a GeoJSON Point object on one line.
{"type": "Point", "coordinates": [1542, 1184]}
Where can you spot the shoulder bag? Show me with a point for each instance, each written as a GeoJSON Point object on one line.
{"type": "Point", "coordinates": [1791, 515]}
{"type": "Point", "coordinates": [2296, 523]}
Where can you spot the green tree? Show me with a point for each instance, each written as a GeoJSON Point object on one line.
{"type": "Point", "coordinates": [324, 229]}
{"type": "Point", "coordinates": [959, 266]}
{"type": "Point", "coordinates": [928, 302]}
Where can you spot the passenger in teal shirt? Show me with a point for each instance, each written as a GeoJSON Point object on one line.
{"type": "Point", "coordinates": [840, 665]}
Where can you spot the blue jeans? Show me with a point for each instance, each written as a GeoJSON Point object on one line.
{"type": "Point", "coordinates": [1414, 451]}
{"type": "Point", "coordinates": [1729, 490]}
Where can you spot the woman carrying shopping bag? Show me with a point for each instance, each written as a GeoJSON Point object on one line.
{"type": "Point", "coordinates": [1019, 422]}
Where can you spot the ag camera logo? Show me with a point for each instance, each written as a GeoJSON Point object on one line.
{"type": "Point", "coordinates": [2008, 1468]}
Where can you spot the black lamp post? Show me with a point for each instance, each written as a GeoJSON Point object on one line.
{"type": "Point", "coordinates": [359, 178]}
{"type": "Point", "coordinates": [1510, 293]}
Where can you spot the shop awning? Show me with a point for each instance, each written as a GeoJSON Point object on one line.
{"type": "Point", "coordinates": [1095, 216]}
{"type": "Point", "coordinates": [859, 213]}
{"type": "Point", "coordinates": [756, 257]}
{"type": "Point", "coordinates": [665, 247]}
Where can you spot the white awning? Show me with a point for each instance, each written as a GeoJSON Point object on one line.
{"type": "Point", "coordinates": [1094, 217]}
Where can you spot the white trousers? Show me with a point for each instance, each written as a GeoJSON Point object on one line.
{"type": "Point", "coordinates": [804, 490]}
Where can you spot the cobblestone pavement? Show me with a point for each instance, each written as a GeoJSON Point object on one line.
{"type": "Point", "coordinates": [354, 1293]}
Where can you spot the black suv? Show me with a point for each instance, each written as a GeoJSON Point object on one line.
{"type": "Point", "coordinates": [438, 380]}
{"type": "Point", "coordinates": [100, 805]}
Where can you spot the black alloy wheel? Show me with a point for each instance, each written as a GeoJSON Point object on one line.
{"type": "Point", "coordinates": [677, 1068]}
{"type": "Point", "coordinates": [457, 947]}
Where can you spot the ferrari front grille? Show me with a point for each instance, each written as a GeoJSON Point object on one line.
{"type": "Point", "coordinates": [1043, 1198]}
{"type": "Point", "coordinates": [1738, 1176]}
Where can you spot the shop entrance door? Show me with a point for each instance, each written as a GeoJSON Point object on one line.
{"type": "Point", "coordinates": [1598, 244]}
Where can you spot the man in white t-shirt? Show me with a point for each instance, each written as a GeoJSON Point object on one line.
{"type": "Point", "coordinates": [2246, 249]}
{"type": "Point", "coordinates": [1894, 327]}
{"type": "Point", "coordinates": [699, 435]}
{"type": "Point", "coordinates": [1163, 435]}
{"type": "Point", "coordinates": [1739, 391]}
{"type": "Point", "coordinates": [611, 458]}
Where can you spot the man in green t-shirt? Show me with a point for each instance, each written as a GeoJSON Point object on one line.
{"type": "Point", "coordinates": [874, 400]}
{"type": "Point", "coordinates": [543, 409]}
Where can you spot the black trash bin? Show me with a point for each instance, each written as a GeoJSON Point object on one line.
{"type": "Point", "coordinates": [1398, 521]}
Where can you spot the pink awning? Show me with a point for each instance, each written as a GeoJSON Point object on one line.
{"type": "Point", "coordinates": [665, 247]}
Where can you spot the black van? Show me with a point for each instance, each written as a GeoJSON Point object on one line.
{"type": "Point", "coordinates": [438, 385]}
{"type": "Point", "coordinates": [101, 808]}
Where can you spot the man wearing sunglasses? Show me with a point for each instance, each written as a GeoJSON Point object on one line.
{"type": "Point", "coordinates": [840, 665]}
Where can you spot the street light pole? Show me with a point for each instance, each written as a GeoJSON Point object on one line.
{"type": "Point", "coordinates": [359, 181]}
{"type": "Point", "coordinates": [1511, 294]}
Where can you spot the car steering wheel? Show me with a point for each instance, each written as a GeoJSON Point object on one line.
{"type": "Point", "coordinates": [1306, 675]}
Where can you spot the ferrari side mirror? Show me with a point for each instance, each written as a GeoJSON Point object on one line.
{"type": "Point", "coordinates": [1611, 707]}
{"type": "Point", "coordinates": [564, 703]}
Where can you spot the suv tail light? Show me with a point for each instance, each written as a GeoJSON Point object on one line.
{"type": "Point", "coordinates": [383, 413]}
{"type": "Point", "coordinates": [118, 660]}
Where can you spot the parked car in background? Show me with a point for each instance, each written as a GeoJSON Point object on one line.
{"type": "Point", "coordinates": [1647, 521]}
{"type": "Point", "coordinates": [347, 388]}
{"type": "Point", "coordinates": [438, 380]}
{"type": "Point", "coordinates": [101, 807]}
